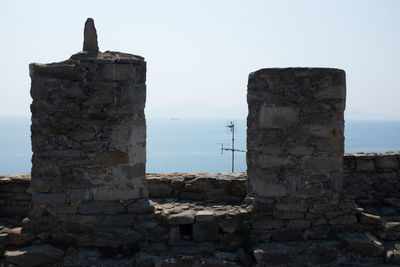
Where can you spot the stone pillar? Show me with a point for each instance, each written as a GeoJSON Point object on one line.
{"type": "Point", "coordinates": [295, 139]}
{"type": "Point", "coordinates": [88, 136]}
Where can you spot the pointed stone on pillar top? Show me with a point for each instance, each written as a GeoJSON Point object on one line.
{"type": "Point", "coordinates": [90, 36]}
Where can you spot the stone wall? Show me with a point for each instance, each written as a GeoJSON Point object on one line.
{"type": "Point", "coordinates": [373, 181]}
{"type": "Point", "coordinates": [218, 187]}
{"type": "Point", "coordinates": [189, 221]}
{"type": "Point", "coordinates": [15, 195]}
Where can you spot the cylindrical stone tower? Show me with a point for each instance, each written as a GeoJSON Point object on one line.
{"type": "Point", "coordinates": [88, 140]}
{"type": "Point", "coordinates": [295, 139]}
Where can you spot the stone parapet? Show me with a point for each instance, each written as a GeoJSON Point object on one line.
{"type": "Point", "coordinates": [218, 187]}
{"type": "Point", "coordinates": [366, 186]}
{"type": "Point", "coordinates": [295, 144]}
{"type": "Point", "coordinates": [295, 139]}
{"type": "Point", "coordinates": [89, 146]}
{"type": "Point", "coordinates": [373, 181]}
{"type": "Point", "coordinates": [221, 229]}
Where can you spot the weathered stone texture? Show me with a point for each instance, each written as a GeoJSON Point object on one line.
{"type": "Point", "coordinates": [90, 36]}
{"type": "Point", "coordinates": [373, 181]}
{"type": "Point", "coordinates": [189, 227]}
{"type": "Point", "coordinates": [88, 131]}
{"type": "Point", "coordinates": [295, 147]}
{"type": "Point", "coordinates": [89, 145]}
{"type": "Point", "coordinates": [295, 132]}
{"type": "Point", "coordinates": [229, 187]}
{"type": "Point", "coordinates": [38, 255]}
{"type": "Point", "coordinates": [15, 195]}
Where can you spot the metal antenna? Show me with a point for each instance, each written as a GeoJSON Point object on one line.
{"type": "Point", "coordinates": [232, 127]}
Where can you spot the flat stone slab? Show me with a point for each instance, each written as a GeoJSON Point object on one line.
{"type": "Point", "coordinates": [184, 217]}
{"type": "Point", "coordinates": [393, 226]}
{"type": "Point", "coordinates": [188, 212]}
{"type": "Point", "coordinates": [37, 255]}
{"type": "Point", "coordinates": [364, 244]}
{"type": "Point", "coordinates": [219, 187]}
{"type": "Point", "coordinates": [204, 216]}
{"type": "Point", "coordinates": [270, 254]}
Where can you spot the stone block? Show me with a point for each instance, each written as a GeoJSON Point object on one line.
{"type": "Point", "coordinates": [299, 224]}
{"type": "Point", "coordinates": [260, 204]}
{"type": "Point", "coordinates": [393, 257]}
{"type": "Point", "coordinates": [262, 188]}
{"type": "Point", "coordinates": [17, 238]}
{"type": "Point", "coordinates": [365, 165]}
{"type": "Point", "coordinates": [286, 235]}
{"type": "Point", "coordinates": [122, 220]}
{"type": "Point", "coordinates": [388, 235]}
{"type": "Point", "coordinates": [205, 216]}
{"type": "Point", "coordinates": [387, 162]}
{"type": "Point", "coordinates": [140, 206]}
{"type": "Point", "coordinates": [13, 187]}
{"type": "Point", "coordinates": [3, 241]}
{"type": "Point", "coordinates": [276, 257]}
{"type": "Point", "coordinates": [205, 231]}
{"type": "Point", "coordinates": [62, 209]}
{"type": "Point", "coordinates": [392, 201]}
{"type": "Point", "coordinates": [266, 223]}
{"type": "Point", "coordinates": [113, 194]}
{"type": "Point", "coordinates": [343, 219]}
{"type": "Point", "coordinates": [364, 244]}
{"type": "Point", "coordinates": [36, 255]}
{"type": "Point", "coordinates": [92, 208]}
{"type": "Point", "coordinates": [82, 135]}
{"type": "Point", "coordinates": [79, 195]}
{"type": "Point", "coordinates": [271, 161]}
{"type": "Point", "coordinates": [297, 253]}
{"type": "Point", "coordinates": [62, 154]}
{"type": "Point", "coordinates": [300, 150]}
{"type": "Point", "coordinates": [159, 189]}
{"type": "Point", "coordinates": [319, 130]}
{"type": "Point", "coordinates": [119, 72]}
{"type": "Point", "coordinates": [233, 240]}
{"type": "Point", "coordinates": [81, 257]}
{"type": "Point", "coordinates": [184, 217]}
{"type": "Point", "coordinates": [323, 163]}
{"type": "Point", "coordinates": [226, 256]}
{"type": "Point", "coordinates": [366, 218]}
{"type": "Point", "coordinates": [112, 158]}
{"type": "Point", "coordinates": [277, 117]}
{"type": "Point", "coordinates": [337, 92]}
{"type": "Point", "coordinates": [392, 226]}
{"type": "Point", "coordinates": [288, 214]}
{"type": "Point", "coordinates": [336, 181]}
{"type": "Point", "coordinates": [231, 224]}
{"type": "Point", "coordinates": [174, 236]}
{"type": "Point", "coordinates": [59, 72]}
{"type": "Point", "coordinates": [296, 207]}
{"type": "Point", "coordinates": [50, 198]}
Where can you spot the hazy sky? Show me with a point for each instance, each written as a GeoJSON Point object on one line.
{"type": "Point", "coordinates": [199, 53]}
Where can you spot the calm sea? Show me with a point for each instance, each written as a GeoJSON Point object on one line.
{"type": "Point", "coordinates": [193, 145]}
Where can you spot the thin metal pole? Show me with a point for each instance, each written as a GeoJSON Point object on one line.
{"type": "Point", "coordinates": [233, 146]}
{"type": "Point", "coordinates": [232, 127]}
